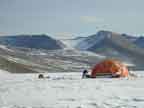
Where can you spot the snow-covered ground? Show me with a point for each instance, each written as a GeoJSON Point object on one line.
{"type": "Point", "coordinates": [68, 90]}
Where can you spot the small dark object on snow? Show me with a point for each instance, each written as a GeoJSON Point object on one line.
{"type": "Point", "coordinates": [41, 76]}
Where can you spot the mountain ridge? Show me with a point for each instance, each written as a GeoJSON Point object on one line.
{"type": "Point", "coordinates": [32, 41]}
{"type": "Point", "coordinates": [112, 45]}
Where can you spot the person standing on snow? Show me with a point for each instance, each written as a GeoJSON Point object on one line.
{"type": "Point", "coordinates": [85, 74]}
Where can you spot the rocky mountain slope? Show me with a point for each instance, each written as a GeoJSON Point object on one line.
{"type": "Point", "coordinates": [32, 41]}
{"type": "Point", "coordinates": [34, 61]}
{"type": "Point", "coordinates": [113, 45]}
{"type": "Point", "coordinates": [34, 54]}
{"type": "Point", "coordinates": [140, 42]}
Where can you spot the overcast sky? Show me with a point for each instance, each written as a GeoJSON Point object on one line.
{"type": "Point", "coordinates": [67, 18]}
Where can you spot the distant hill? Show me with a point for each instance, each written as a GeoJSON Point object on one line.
{"type": "Point", "coordinates": [32, 41]}
{"type": "Point", "coordinates": [113, 45]}
{"type": "Point", "coordinates": [140, 42]}
{"type": "Point", "coordinates": [33, 61]}
{"type": "Point", "coordinates": [51, 55]}
{"type": "Point", "coordinates": [129, 37]}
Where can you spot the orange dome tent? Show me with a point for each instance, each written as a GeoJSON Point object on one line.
{"type": "Point", "coordinates": [110, 67]}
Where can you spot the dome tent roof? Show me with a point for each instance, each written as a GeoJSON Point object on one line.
{"type": "Point", "coordinates": [109, 67]}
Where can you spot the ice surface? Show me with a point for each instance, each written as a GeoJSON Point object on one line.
{"type": "Point", "coordinates": [68, 90]}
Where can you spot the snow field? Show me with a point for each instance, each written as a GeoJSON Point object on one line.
{"type": "Point", "coordinates": [68, 90]}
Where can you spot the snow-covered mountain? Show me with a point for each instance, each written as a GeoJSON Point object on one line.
{"type": "Point", "coordinates": [107, 39]}
{"type": "Point", "coordinates": [84, 43]}
{"type": "Point", "coordinates": [71, 43]}
{"type": "Point", "coordinates": [32, 41]}
{"type": "Point", "coordinates": [74, 55]}
{"type": "Point", "coordinates": [98, 39]}
{"type": "Point", "coordinates": [91, 40]}
{"type": "Point", "coordinates": [113, 45]}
